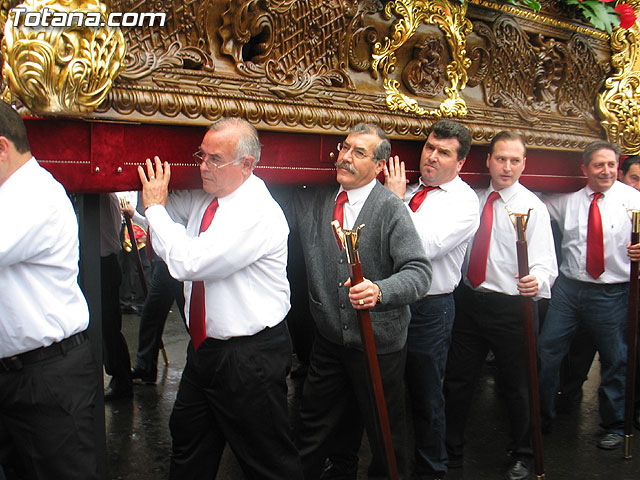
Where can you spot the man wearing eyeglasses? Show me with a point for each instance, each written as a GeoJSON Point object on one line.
{"type": "Point", "coordinates": [231, 252]}
{"type": "Point", "coordinates": [397, 273]}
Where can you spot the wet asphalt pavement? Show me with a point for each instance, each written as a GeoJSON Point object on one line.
{"type": "Point", "coordinates": [139, 443]}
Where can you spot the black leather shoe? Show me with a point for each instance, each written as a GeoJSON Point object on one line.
{"type": "Point", "coordinates": [340, 469]}
{"type": "Point", "coordinates": [142, 376]}
{"type": "Point", "coordinates": [111, 393]}
{"type": "Point", "coordinates": [455, 461]}
{"type": "Point", "coordinates": [518, 471]}
{"type": "Point", "coordinates": [610, 441]}
{"type": "Point", "coordinates": [568, 402]}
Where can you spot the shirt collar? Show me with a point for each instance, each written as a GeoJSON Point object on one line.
{"type": "Point", "coordinates": [360, 194]}
{"type": "Point", "coordinates": [589, 191]}
{"type": "Point", "coordinates": [506, 194]}
{"type": "Point", "coordinates": [246, 185]}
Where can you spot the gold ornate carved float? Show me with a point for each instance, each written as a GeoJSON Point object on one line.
{"type": "Point", "coordinates": [323, 65]}
{"type": "Point", "coordinates": [61, 69]}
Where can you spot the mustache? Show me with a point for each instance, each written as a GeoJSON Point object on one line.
{"type": "Point", "coordinates": [346, 166]}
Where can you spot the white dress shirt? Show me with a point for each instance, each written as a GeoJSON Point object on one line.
{"type": "Point", "coordinates": [352, 208]}
{"type": "Point", "coordinates": [571, 211]}
{"type": "Point", "coordinates": [241, 258]}
{"type": "Point", "coordinates": [502, 264]}
{"type": "Point", "coordinates": [40, 300]}
{"type": "Point", "coordinates": [446, 221]}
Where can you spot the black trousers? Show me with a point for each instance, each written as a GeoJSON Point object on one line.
{"type": "Point", "coordinates": [235, 391]}
{"type": "Point", "coordinates": [47, 418]}
{"type": "Point", "coordinates": [164, 289]}
{"type": "Point", "coordinates": [116, 353]}
{"type": "Point", "coordinates": [487, 321]}
{"type": "Point", "coordinates": [337, 387]}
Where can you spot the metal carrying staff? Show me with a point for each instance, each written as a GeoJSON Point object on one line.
{"type": "Point", "coordinates": [520, 221]}
{"type": "Point", "coordinates": [143, 280]}
{"type": "Point", "coordinates": [349, 240]}
{"type": "Point", "coordinates": [632, 339]}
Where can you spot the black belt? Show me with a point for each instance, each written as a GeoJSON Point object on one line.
{"type": "Point", "coordinates": [16, 362]}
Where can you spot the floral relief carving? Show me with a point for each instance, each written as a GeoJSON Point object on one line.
{"type": "Point", "coordinates": [535, 75]}
{"type": "Point", "coordinates": [424, 74]}
{"type": "Point", "coordinates": [182, 43]}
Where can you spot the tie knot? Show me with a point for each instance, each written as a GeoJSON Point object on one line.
{"type": "Point", "coordinates": [493, 196]}
{"type": "Point", "coordinates": [342, 198]}
{"type": "Point", "coordinates": [597, 195]}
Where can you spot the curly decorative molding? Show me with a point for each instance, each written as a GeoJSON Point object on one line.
{"type": "Point", "coordinates": [539, 17]}
{"type": "Point", "coordinates": [450, 17]}
{"type": "Point", "coordinates": [61, 69]}
{"type": "Point", "coordinates": [329, 112]}
{"type": "Point", "coordinates": [619, 105]}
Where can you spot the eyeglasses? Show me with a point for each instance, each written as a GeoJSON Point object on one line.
{"type": "Point", "coordinates": [201, 157]}
{"type": "Point", "coordinates": [356, 152]}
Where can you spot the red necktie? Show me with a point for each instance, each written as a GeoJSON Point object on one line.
{"type": "Point", "coordinates": [338, 210]}
{"type": "Point", "coordinates": [477, 271]}
{"type": "Point", "coordinates": [197, 324]}
{"type": "Point", "coordinates": [595, 241]}
{"type": "Point", "coordinates": [418, 198]}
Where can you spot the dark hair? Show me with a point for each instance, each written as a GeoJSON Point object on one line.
{"type": "Point", "coordinates": [248, 141]}
{"type": "Point", "coordinates": [593, 147]}
{"type": "Point", "coordinates": [383, 149]}
{"type": "Point", "coordinates": [12, 128]}
{"type": "Point", "coordinates": [631, 160]}
{"type": "Point", "coordinates": [506, 135]}
{"type": "Point", "coordinates": [451, 129]}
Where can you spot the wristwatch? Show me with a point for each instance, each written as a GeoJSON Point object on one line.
{"type": "Point", "coordinates": [379, 295]}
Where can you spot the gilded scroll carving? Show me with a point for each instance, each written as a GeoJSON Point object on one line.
{"type": "Point", "coordinates": [618, 105]}
{"type": "Point", "coordinates": [535, 75]}
{"type": "Point", "coordinates": [295, 44]}
{"type": "Point", "coordinates": [450, 17]}
{"type": "Point", "coordinates": [62, 69]}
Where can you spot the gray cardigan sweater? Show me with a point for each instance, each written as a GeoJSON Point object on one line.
{"type": "Point", "coordinates": [391, 254]}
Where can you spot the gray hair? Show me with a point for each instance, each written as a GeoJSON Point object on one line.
{"type": "Point", "coordinates": [248, 141]}
{"type": "Point", "coordinates": [383, 149]}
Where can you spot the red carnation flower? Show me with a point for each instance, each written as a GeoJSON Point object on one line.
{"type": "Point", "coordinates": [627, 15]}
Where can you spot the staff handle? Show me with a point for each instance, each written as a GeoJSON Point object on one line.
{"type": "Point", "coordinates": [530, 346]}
{"type": "Point", "coordinates": [373, 368]}
{"type": "Point", "coordinates": [632, 340]}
